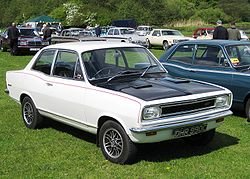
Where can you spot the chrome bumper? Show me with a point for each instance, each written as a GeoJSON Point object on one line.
{"type": "Point", "coordinates": [197, 120]}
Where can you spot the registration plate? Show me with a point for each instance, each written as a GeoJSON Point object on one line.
{"type": "Point", "coordinates": [34, 49]}
{"type": "Point", "coordinates": [190, 130]}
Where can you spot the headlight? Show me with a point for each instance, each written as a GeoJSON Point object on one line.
{"type": "Point", "coordinates": [223, 101]}
{"type": "Point", "coordinates": [23, 43]}
{"type": "Point", "coordinates": [151, 113]}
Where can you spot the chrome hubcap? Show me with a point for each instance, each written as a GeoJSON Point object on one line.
{"type": "Point", "coordinates": [28, 113]}
{"type": "Point", "coordinates": [113, 143]}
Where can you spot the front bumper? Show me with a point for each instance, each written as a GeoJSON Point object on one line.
{"type": "Point", "coordinates": [165, 131]}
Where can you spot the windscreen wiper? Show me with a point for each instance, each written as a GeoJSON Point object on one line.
{"type": "Point", "coordinates": [121, 73]}
{"type": "Point", "coordinates": [146, 70]}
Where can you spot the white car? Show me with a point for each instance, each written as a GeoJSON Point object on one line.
{"type": "Point", "coordinates": [126, 33]}
{"type": "Point", "coordinates": [118, 91]}
{"type": "Point", "coordinates": [143, 30]}
{"type": "Point", "coordinates": [165, 38]}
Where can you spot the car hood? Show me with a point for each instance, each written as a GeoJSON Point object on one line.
{"type": "Point", "coordinates": [158, 88]}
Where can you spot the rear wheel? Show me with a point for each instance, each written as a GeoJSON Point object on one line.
{"type": "Point", "coordinates": [165, 45]}
{"type": "Point", "coordinates": [148, 44]}
{"type": "Point", "coordinates": [31, 117]}
{"type": "Point", "coordinates": [247, 110]}
{"type": "Point", "coordinates": [202, 138]}
{"type": "Point", "coordinates": [115, 144]}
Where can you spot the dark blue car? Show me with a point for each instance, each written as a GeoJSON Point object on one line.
{"type": "Point", "coordinates": [222, 62]}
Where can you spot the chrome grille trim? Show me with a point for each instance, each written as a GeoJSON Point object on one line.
{"type": "Point", "coordinates": [188, 107]}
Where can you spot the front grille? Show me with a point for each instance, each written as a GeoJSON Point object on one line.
{"type": "Point", "coordinates": [34, 43]}
{"type": "Point", "coordinates": [188, 107]}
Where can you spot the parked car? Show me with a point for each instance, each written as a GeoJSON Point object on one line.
{"type": "Point", "coordinates": [165, 38]}
{"type": "Point", "coordinates": [71, 32]}
{"type": "Point", "coordinates": [243, 35]}
{"type": "Point", "coordinates": [118, 91]}
{"type": "Point", "coordinates": [223, 62]}
{"type": "Point", "coordinates": [29, 40]}
{"type": "Point", "coordinates": [144, 30]}
{"type": "Point", "coordinates": [126, 34]}
{"type": "Point", "coordinates": [203, 33]}
{"type": "Point", "coordinates": [207, 33]}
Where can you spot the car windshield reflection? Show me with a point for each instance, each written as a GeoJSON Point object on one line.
{"type": "Point", "coordinates": [106, 63]}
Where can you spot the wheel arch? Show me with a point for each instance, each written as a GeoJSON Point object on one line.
{"type": "Point", "coordinates": [101, 121]}
{"type": "Point", "coordinates": [246, 99]}
{"type": "Point", "coordinates": [23, 95]}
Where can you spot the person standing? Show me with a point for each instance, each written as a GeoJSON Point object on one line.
{"type": "Point", "coordinates": [220, 32]}
{"type": "Point", "coordinates": [97, 31]}
{"type": "Point", "coordinates": [233, 32]}
{"type": "Point", "coordinates": [46, 33]}
{"type": "Point", "coordinates": [13, 35]}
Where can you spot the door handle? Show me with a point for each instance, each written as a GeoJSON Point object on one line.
{"type": "Point", "coordinates": [49, 84]}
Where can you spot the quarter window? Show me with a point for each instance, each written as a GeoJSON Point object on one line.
{"type": "Point", "coordinates": [183, 54]}
{"type": "Point", "coordinates": [44, 61]}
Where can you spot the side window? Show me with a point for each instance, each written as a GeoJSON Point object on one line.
{"type": "Point", "coordinates": [156, 32]}
{"type": "Point", "coordinates": [183, 54]}
{"type": "Point", "coordinates": [111, 32]}
{"type": "Point", "coordinates": [116, 32]}
{"type": "Point", "coordinates": [44, 61]}
{"type": "Point", "coordinates": [65, 64]}
{"type": "Point", "coordinates": [209, 55]}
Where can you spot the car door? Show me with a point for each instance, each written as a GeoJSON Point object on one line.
{"type": "Point", "coordinates": [210, 65]}
{"type": "Point", "coordinates": [155, 37]}
{"type": "Point", "coordinates": [67, 86]}
{"type": "Point", "coordinates": [61, 88]}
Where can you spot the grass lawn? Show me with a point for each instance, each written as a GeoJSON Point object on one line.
{"type": "Point", "coordinates": [59, 151]}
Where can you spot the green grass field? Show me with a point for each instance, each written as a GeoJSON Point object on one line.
{"type": "Point", "coordinates": [59, 151]}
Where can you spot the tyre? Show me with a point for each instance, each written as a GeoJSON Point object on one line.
{"type": "Point", "coordinates": [201, 139]}
{"type": "Point", "coordinates": [165, 45]}
{"type": "Point", "coordinates": [247, 110]}
{"type": "Point", "coordinates": [31, 117]}
{"type": "Point", "coordinates": [115, 144]}
{"type": "Point", "coordinates": [148, 44]}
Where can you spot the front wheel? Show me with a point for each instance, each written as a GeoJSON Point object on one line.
{"type": "Point", "coordinates": [247, 110]}
{"type": "Point", "coordinates": [31, 117]}
{"type": "Point", "coordinates": [202, 138]}
{"type": "Point", "coordinates": [115, 144]}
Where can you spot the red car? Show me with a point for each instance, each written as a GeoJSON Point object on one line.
{"type": "Point", "coordinates": [203, 33]}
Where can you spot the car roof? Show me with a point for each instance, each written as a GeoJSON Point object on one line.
{"type": "Point", "coordinates": [90, 45]}
{"type": "Point", "coordinates": [215, 42]}
{"type": "Point", "coordinates": [167, 29]}
{"type": "Point", "coordinates": [122, 28]}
